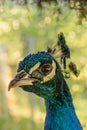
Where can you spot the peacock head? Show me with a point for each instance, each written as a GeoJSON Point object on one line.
{"type": "Point", "coordinates": [38, 73]}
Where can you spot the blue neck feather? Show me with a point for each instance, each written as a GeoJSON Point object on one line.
{"type": "Point", "coordinates": [60, 112]}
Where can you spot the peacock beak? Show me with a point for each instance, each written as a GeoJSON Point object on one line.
{"type": "Point", "coordinates": [21, 79]}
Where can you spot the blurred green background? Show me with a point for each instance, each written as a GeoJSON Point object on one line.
{"type": "Point", "coordinates": [25, 30]}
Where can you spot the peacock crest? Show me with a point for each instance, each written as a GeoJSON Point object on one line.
{"type": "Point", "coordinates": [61, 52]}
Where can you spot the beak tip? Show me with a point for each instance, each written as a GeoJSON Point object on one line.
{"type": "Point", "coordinates": [9, 87]}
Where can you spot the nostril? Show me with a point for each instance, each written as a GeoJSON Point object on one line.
{"type": "Point", "coordinates": [20, 74]}
{"type": "Point", "coordinates": [29, 76]}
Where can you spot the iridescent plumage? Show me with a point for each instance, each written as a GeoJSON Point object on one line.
{"type": "Point", "coordinates": [41, 74]}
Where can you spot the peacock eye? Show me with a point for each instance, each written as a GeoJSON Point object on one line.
{"type": "Point", "coordinates": [46, 69]}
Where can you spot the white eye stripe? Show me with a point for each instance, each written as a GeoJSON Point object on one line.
{"type": "Point", "coordinates": [34, 68]}
{"type": "Point", "coordinates": [51, 74]}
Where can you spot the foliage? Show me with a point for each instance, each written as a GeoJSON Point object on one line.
{"type": "Point", "coordinates": [80, 6]}
{"type": "Point", "coordinates": [18, 25]}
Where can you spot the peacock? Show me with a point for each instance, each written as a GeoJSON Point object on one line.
{"type": "Point", "coordinates": [42, 74]}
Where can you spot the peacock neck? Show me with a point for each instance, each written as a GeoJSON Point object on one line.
{"type": "Point", "coordinates": [60, 113]}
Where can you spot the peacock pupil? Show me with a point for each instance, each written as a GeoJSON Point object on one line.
{"type": "Point", "coordinates": [46, 69]}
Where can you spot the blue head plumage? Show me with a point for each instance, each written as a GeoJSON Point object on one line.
{"type": "Point", "coordinates": [43, 69]}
